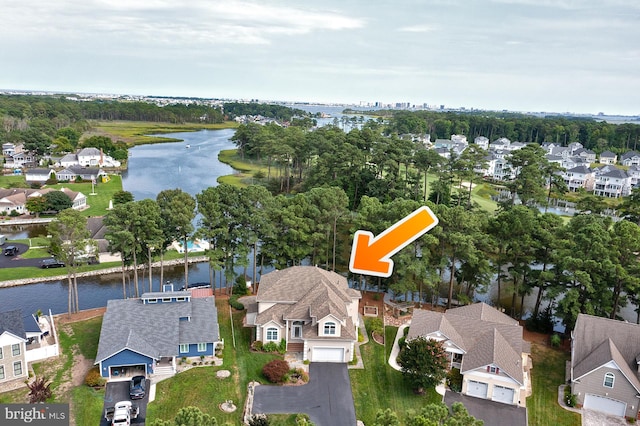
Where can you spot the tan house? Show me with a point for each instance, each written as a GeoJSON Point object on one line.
{"type": "Point", "coordinates": [605, 365]}
{"type": "Point", "coordinates": [313, 310]}
{"type": "Point", "coordinates": [486, 345]}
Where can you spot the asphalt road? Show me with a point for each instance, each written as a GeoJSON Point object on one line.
{"type": "Point", "coordinates": [327, 398]}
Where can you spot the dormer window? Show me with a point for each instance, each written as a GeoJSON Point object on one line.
{"type": "Point", "coordinates": [330, 328]}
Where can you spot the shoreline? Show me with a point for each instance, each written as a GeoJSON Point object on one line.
{"type": "Point", "coordinates": [106, 271]}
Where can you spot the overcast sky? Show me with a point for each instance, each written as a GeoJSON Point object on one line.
{"type": "Point", "coordinates": [527, 55]}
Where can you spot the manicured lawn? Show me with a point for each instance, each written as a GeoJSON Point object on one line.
{"type": "Point", "coordinates": [201, 388]}
{"type": "Point", "coordinates": [378, 386]}
{"type": "Point", "coordinates": [7, 180]}
{"type": "Point", "coordinates": [9, 274]}
{"type": "Point", "coordinates": [548, 373]}
{"type": "Point", "coordinates": [98, 203]}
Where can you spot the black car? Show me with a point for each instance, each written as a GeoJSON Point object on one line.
{"type": "Point", "coordinates": [137, 387]}
{"type": "Point", "coordinates": [10, 250]}
{"type": "Point", "coordinates": [51, 263]}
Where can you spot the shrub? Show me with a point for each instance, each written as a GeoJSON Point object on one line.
{"type": "Point", "coordinates": [259, 420]}
{"type": "Point", "coordinates": [454, 380]}
{"type": "Point", "coordinates": [14, 213]}
{"type": "Point", "coordinates": [402, 342]}
{"type": "Point", "coordinates": [270, 347]}
{"type": "Point", "coordinates": [240, 286]}
{"type": "Point", "coordinates": [93, 378]}
{"type": "Point", "coordinates": [282, 347]}
{"type": "Point", "coordinates": [376, 326]}
{"type": "Point", "coordinates": [276, 370]}
{"type": "Point", "coordinates": [233, 301]}
{"type": "Point", "coordinates": [555, 340]}
{"type": "Point", "coordinates": [296, 374]}
{"type": "Point", "coordinates": [303, 420]}
{"type": "Point", "coordinates": [257, 345]}
{"type": "Point", "coordinates": [571, 399]}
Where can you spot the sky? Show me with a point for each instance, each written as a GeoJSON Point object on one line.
{"type": "Point", "coordinates": [580, 56]}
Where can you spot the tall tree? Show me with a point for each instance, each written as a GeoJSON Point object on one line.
{"type": "Point", "coordinates": [70, 240]}
{"type": "Point", "coordinates": [178, 209]}
{"type": "Point", "coordinates": [423, 362]}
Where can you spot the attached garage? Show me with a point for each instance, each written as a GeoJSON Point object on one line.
{"type": "Point", "coordinates": [605, 405]}
{"type": "Point", "coordinates": [503, 394]}
{"type": "Point", "coordinates": [478, 389]}
{"type": "Point", "coordinates": [327, 354]}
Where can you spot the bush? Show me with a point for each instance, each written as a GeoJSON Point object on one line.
{"type": "Point", "coordinates": [276, 370]}
{"type": "Point", "coordinates": [93, 378]}
{"type": "Point", "coordinates": [296, 374]}
{"type": "Point", "coordinates": [233, 301]}
{"type": "Point", "coordinates": [240, 286]}
{"type": "Point", "coordinates": [555, 340]}
{"type": "Point", "coordinates": [571, 399]}
{"type": "Point", "coordinates": [376, 326]}
{"type": "Point", "coordinates": [282, 347]}
{"type": "Point", "coordinates": [454, 380]}
{"type": "Point", "coordinates": [14, 213]}
{"type": "Point", "coordinates": [303, 420]}
{"type": "Point", "coordinates": [270, 347]}
{"type": "Point", "coordinates": [259, 420]}
{"type": "Point", "coordinates": [257, 345]}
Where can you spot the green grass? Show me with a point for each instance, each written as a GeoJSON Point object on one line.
{"type": "Point", "coordinates": [378, 386]}
{"type": "Point", "coordinates": [201, 388]}
{"type": "Point", "coordinates": [99, 203]}
{"type": "Point", "coordinates": [88, 404]}
{"type": "Point", "coordinates": [9, 274]}
{"type": "Point", "coordinates": [246, 168]}
{"type": "Point", "coordinates": [548, 373]}
{"type": "Point", "coordinates": [6, 181]}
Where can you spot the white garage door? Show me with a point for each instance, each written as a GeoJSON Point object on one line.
{"type": "Point", "coordinates": [478, 389]}
{"type": "Point", "coordinates": [502, 394]}
{"type": "Point", "coordinates": [327, 355]}
{"type": "Point", "coordinates": [604, 404]}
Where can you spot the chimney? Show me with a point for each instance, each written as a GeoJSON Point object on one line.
{"type": "Point", "coordinates": [101, 157]}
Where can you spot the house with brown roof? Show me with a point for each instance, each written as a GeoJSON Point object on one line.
{"type": "Point", "coordinates": [605, 365]}
{"type": "Point", "coordinates": [486, 345]}
{"type": "Point", "coordinates": [313, 310]}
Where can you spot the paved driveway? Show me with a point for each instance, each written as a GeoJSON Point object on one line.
{"type": "Point", "coordinates": [119, 391]}
{"type": "Point", "coordinates": [327, 398]}
{"type": "Point", "coordinates": [493, 413]}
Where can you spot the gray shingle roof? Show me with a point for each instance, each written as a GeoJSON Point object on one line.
{"type": "Point", "coordinates": [12, 322]}
{"type": "Point", "coordinates": [155, 330]}
{"type": "Point", "coordinates": [485, 334]}
{"type": "Point", "coordinates": [596, 341]}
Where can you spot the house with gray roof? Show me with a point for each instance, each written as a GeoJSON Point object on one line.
{"type": "Point", "coordinates": [605, 365]}
{"type": "Point", "coordinates": [608, 157]}
{"type": "Point", "coordinates": [631, 158]}
{"type": "Point", "coordinates": [313, 310]}
{"type": "Point", "coordinates": [148, 335]}
{"type": "Point", "coordinates": [579, 177]}
{"type": "Point", "coordinates": [486, 345]}
{"type": "Point", "coordinates": [612, 182]}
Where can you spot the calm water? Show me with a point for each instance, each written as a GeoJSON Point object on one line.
{"type": "Point", "coordinates": [152, 168]}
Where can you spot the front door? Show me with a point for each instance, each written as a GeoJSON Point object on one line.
{"type": "Point", "coordinates": [296, 330]}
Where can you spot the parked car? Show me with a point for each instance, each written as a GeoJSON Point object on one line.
{"type": "Point", "coordinates": [11, 250]}
{"type": "Point", "coordinates": [51, 263]}
{"type": "Point", "coordinates": [137, 387]}
{"type": "Point", "coordinates": [122, 413]}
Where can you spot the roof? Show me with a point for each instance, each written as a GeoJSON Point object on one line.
{"type": "Point", "coordinates": [12, 322]}
{"type": "Point", "coordinates": [616, 173]}
{"type": "Point", "coordinates": [581, 169]}
{"type": "Point", "coordinates": [304, 293]}
{"type": "Point", "coordinates": [43, 172]}
{"type": "Point", "coordinates": [597, 341]}
{"type": "Point", "coordinates": [155, 330]}
{"type": "Point", "coordinates": [486, 335]}
{"type": "Point", "coordinates": [607, 154]}
{"type": "Point", "coordinates": [90, 151]}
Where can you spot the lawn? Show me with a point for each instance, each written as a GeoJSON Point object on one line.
{"type": "Point", "coordinates": [548, 373]}
{"type": "Point", "coordinates": [6, 181]}
{"type": "Point", "coordinates": [378, 386]}
{"type": "Point", "coordinates": [9, 274]}
{"type": "Point", "coordinates": [98, 203]}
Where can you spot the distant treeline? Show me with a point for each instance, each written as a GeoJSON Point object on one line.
{"type": "Point", "coordinates": [18, 110]}
{"type": "Point", "coordinates": [594, 135]}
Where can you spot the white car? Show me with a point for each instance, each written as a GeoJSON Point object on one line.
{"type": "Point", "coordinates": [122, 413]}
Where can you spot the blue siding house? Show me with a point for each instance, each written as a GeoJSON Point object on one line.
{"type": "Point", "coordinates": [147, 335]}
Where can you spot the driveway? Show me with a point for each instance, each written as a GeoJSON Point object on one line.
{"type": "Point", "coordinates": [17, 260]}
{"type": "Point", "coordinates": [491, 412]}
{"type": "Point", "coordinates": [327, 398]}
{"type": "Point", "coordinates": [119, 391]}
{"type": "Point", "coordinates": [596, 418]}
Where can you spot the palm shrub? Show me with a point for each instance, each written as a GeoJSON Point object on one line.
{"type": "Point", "coordinates": [39, 390]}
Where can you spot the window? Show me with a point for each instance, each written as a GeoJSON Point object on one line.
{"type": "Point", "coordinates": [152, 300]}
{"type": "Point", "coordinates": [609, 378]}
{"type": "Point", "coordinates": [330, 328]}
{"type": "Point", "coordinates": [166, 299]}
{"type": "Point", "coordinates": [493, 369]}
{"type": "Point", "coordinates": [17, 368]}
{"type": "Point", "coordinates": [1, 372]}
{"type": "Point", "coordinates": [296, 330]}
{"type": "Point", "coordinates": [15, 349]}
{"type": "Point", "coordinates": [184, 349]}
{"type": "Point", "coordinates": [1, 356]}
{"type": "Point", "coordinates": [272, 334]}
{"type": "Point", "coordinates": [180, 299]}
{"type": "Point", "coordinates": [202, 347]}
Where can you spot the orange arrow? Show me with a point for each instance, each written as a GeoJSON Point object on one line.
{"type": "Point", "coordinates": [371, 256]}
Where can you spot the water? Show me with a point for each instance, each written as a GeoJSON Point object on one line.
{"type": "Point", "coordinates": [156, 167]}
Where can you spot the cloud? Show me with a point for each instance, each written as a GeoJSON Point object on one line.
{"type": "Point", "coordinates": [417, 29]}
